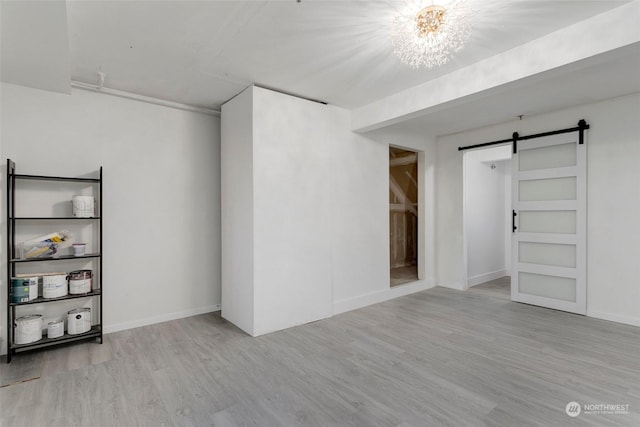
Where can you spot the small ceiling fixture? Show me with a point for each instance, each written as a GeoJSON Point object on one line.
{"type": "Point", "coordinates": [427, 35]}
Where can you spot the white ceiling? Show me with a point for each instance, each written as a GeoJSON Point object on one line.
{"type": "Point", "coordinates": [34, 45]}
{"type": "Point", "coordinates": [202, 53]}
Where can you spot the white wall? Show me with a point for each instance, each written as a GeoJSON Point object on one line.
{"type": "Point", "coordinates": [425, 146]}
{"type": "Point", "coordinates": [292, 149]}
{"type": "Point", "coordinates": [613, 290]}
{"type": "Point", "coordinates": [321, 211]}
{"type": "Point", "coordinates": [161, 194]}
{"type": "Point", "coordinates": [485, 214]}
{"type": "Point", "coordinates": [281, 192]}
{"type": "Point", "coordinates": [360, 213]}
{"type": "Point", "coordinates": [359, 216]}
{"type": "Point", "coordinates": [360, 281]}
{"type": "Point", "coordinates": [236, 182]}
{"type": "Point", "coordinates": [508, 217]}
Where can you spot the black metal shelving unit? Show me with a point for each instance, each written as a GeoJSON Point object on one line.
{"type": "Point", "coordinates": [13, 263]}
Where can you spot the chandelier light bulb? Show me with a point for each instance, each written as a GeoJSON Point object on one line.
{"type": "Point", "coordinates": [429, 35]}
{"type": "Point", "coordinates": [429, 20]}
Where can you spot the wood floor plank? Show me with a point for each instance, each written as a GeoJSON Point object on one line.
{"type": "Point", "coordinates": [22, 369]}
{"type": "Point", "coordinates": [438, 357]}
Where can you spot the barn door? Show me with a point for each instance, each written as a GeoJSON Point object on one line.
{"type": "Point", "coordinates": [549, 222]}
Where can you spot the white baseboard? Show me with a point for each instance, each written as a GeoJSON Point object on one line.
{"type": "Point", "coordinates": [458, 286]}
{"type": "Point", "coordinates": [486, 277]}
{"type": "Point", "coordinates": [108, 329]}
{"type": "Point", "coordinates": [349, 304]}
{"type": "Point", "coordinates": [613, 317]}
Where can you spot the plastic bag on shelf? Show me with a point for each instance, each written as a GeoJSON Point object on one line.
{"type": "Point", "coordinates": [45, 246]}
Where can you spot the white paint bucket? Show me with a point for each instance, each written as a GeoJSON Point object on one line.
{"type": "Point", "coordinates": [79, 321]}
{"type": "Point", "coordinates": [80, 282]}
{"type": "Point", "coordinates": [28, 281]}
{"type": "Point", "coordinates": [83, 206]}
{"type": "Point", "coordinates": [55, 329]}
{"type": "Point", "coordinates": [33, 287]}
{"type": "Point", "coordinates": [54, 285]}
{"type": "Point", "coordinates": [28, 329]}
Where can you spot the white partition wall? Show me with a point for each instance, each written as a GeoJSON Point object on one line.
{"type": "Point", "coordinates": [305, 212]}
{"type": "Point", "coordinates": [236, 181]}
{"type": "Point", "coordinates": [276, 247]}
{"type": "Point", "coordinates": [291, 217]}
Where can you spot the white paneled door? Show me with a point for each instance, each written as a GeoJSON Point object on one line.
{"type": "Point", "coordinates": [549, 222]}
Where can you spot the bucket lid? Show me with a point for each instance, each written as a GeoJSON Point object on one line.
{"type": "Point", "coordinates": [55, 322]}
{"type": "Point", "coordinates": [80, 274]}
{"type": "Point", "coordinates": [78, 310]}
{"type": "Point", "coordinates": [29, 317]}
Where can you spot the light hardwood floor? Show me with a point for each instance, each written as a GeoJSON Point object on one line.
{"type": "Point", "coordinates": [498, 288]}
{"type": "Point", "coordinates": [435, 358]}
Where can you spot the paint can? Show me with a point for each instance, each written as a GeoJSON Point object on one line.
{"type": "Point", "coordinates": [55, 329]}
{"type": "Point", "coordinates": [34, 282]}
{"type": "Point", "coordinates": [33, 287]}
{"type": "Point", "coordinates": [19, 290]}
{"type": "Point", "coordinates": [78, 321]}
{"type": "Point", "coordinates": [28, 329]}
{"type": "Point", "coordinates": [83, 206]}
{"type": "Point", "coordinates": [79, 249]}
{"type": "Point", "coordinates": [54, 285]}
{"type": "Point", "coordinates": [80, 281]}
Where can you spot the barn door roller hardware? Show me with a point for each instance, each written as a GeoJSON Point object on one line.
{"type": "Point", "coordinates": [582, 126]}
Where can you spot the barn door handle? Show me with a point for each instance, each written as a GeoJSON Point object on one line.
{"type": "Point", "coordinates": [513, 221]}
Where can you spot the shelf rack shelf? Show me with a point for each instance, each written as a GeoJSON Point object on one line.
{"type": "Point", "coordinates": [52, 218]}
{"type": "Point", "coordinates": [94, 332]}
{"type": "Point", "coordinates": [41, 300]}
{"type": "Point", "coordinates": [56, 178]}
{"type": "Point", "coordinates": [55, 258]}
{"type": "Point", "coordinates": [13, 262]}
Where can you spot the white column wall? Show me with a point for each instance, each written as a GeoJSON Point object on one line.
{"type": "Point", "coordinates": [320, 212]}
{"type": "Point", "coordinates": [450, 262]}
{"type": "Point", "coordinates": [236, 182]}
{"type": "Point", "coordinates": [291, 224]}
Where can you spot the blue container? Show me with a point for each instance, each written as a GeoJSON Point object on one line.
{"type": "Point", "coordinates": [19, 290]}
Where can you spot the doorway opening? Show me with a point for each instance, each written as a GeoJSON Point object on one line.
{"type": "Point", "coordinates": [487, 220]}
{"type": "Point", "coordinates": [403, 215]}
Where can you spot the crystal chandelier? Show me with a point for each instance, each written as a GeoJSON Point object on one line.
{"type": "Point", "coordinates": [427, 35]}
